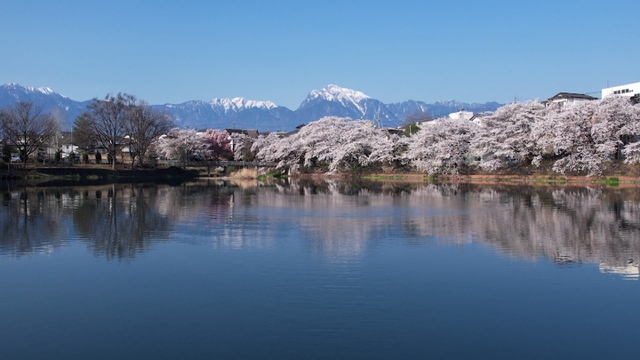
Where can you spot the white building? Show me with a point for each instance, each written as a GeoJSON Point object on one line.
{"type": "Point", "coordinates": [563, 98]}
{"type": "Point", "coordinates": [627, 90]}
{"type": "Point", "coordinates": [461, 115]}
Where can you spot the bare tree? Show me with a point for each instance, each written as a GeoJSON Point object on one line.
{"type": "Point", "coordinates": [145, 125]}
{"type": "Point", "coordinates": [109, 118]}
{"type": "Point", "coordinates": [411, 121]}
{"type": "Point", "coordinates": [27, 128]}
{"type": "Point", "coordinates": [83, 134]}
{"type": "Point", "coordinates": [417, 117]}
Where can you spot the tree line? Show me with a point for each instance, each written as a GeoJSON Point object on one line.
{"type": "Point", "coordinates": [121, 121]}
{"type": "Point", "coordinates": [571, 138]}
{"type": "Point", "coordinates": [112, 124]}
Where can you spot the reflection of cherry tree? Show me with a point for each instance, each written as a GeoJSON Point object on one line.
{"type": "Point", "coordinates": [564, 225]}
{"type": "Point", "coordinates": [340, 220]}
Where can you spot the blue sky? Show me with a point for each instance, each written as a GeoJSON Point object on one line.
{"type": "Point", "coordinates": [171, 52]}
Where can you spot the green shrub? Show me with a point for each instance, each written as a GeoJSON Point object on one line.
{"type": "Point", "coordinates": [612, 181]}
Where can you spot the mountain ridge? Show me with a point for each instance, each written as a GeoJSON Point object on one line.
{"type": "Point", "coordinates": [240, 112]}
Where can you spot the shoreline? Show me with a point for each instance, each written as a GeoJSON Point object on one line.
{"type": "Point", "coordinates": [173, 174]}
{"type": "Point", "coordinates": [487, 179]}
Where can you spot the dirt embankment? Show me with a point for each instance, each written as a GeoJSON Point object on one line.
{"type": "Point", "coordinates": [615, 174]}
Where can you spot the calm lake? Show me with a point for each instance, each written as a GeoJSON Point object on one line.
{"type": "Point", "coordinates": [324, 270]}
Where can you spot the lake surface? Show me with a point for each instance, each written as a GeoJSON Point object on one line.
{"type": "Point", "coordinates": [319, 271]}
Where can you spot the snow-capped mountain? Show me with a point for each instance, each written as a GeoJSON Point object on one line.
{"type": "Point", "coordinates": [65, 108]}
{"type": "Point", "coordinates": [344, 96]}
{"type": "Point", "coordinates": [230, 113]}
{"type": "Point", "coordinates": [251, 114]}
{"type": "Point", "coordinates": [338, 101]}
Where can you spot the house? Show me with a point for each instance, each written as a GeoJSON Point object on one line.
{"type": "Point", "coordinates": [477, 118]}
{"type": "Point", "coordinates": [390, 130]}
{"type": "Point", "coordinates": [461, 115]}
{"type": "Point", "coordinates": [250, 133]}
{"type": "Point", "coordinates": [62, 143]}
{"type": "Point", "coordinates": [568, 98]}
{"type": "Point", "coordinates": [628, 90]}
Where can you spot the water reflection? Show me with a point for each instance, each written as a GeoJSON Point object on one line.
{"type": "Point", "coordinates": [568, 225]}
{"type": "Point", "coordinates": [120, 221]}
{"type": "Point", "coordinates": [29, 223]}
{"type": "Point", "coordinates": [117, 221]}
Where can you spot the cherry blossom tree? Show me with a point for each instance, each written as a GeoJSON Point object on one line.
{"type": "Point", "coordinates": [216, 145]}
{"type": "Point", "coordinates": [332, 144]}
{"type": "Point", "coordinates": [625, 115]}
{"type": "Point", "coordinates": [241, 147]}
{"type": "Point", "coordinates": [577, 138]}
{"type": "Point", "coordinates": [506, 137]}
{"type": "Point", "coordinates": [179, 145]}
{"type": "Point", "coordinates": [581, 137]}
{"type": "Point", "coordinates": [441, 146]}
{"type": "Point", "coordinates": [272, 148]}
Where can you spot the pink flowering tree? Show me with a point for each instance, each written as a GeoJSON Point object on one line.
{"type": "Point", "coordinates": [442, 146]}
{"type": "Point", "coordinates": [582, 137]}
{"type": "Point", "coordinates": [216, 145]}
{"type": "Point", "coordinates": [506, 137]}
{"type": "Point", "coordinates": [241, 147]}
{"type": "Point", "coordinates": [179, 145]}
{"type": "Point", "coordinates": [332, 144]}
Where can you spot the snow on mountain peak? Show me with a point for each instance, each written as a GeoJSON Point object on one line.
{"type": "Point", "coordinates": [336, 93]}
{"type": "Point", "coordinates": [45, 90]}
{"type": "Point", "coordinates": [346, 97]}
{"type": "Point", "coordinates": [30, 89]}
{"type": "Point", "coordinates": [239, 103]}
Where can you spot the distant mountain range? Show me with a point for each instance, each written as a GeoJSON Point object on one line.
{"type": "Point", "coordinates": [262, 115]}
